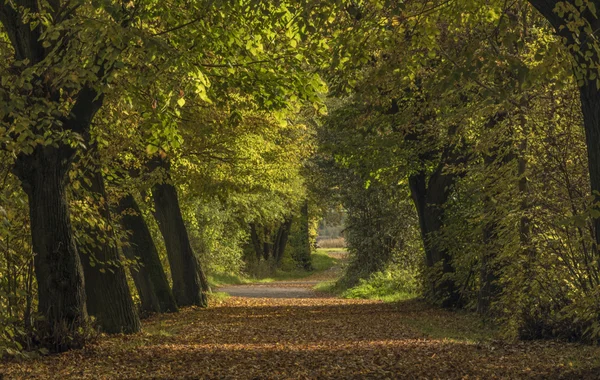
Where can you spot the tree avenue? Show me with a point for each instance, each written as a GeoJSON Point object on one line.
{"type": "Point", "coordinates": [151, 149]}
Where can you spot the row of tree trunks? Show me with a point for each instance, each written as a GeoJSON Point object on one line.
{"type": "Point", "coordinates": [58, 265]}
{"type": "Point", "coordinates": [269, 246]}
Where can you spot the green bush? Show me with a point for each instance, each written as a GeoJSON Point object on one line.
{"type": "Point", "coordinates": [390, 285]}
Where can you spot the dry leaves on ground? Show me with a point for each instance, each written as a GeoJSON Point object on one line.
{"type": "Point", "coordinates": [267, 338]}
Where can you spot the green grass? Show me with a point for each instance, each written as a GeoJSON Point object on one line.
{"type": "Point", "coordinates": [366, 290]}
{"type": "Point", "coordinates": [392, 285]}
{"type": "Point", "coordinates": [324, 250]}
{"type": "Point", "coordinates": [320, 260]}
{"type": "Point", "coordinates": [218, 296]}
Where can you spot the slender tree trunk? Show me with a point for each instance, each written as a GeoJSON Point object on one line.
{"type": "Point", "coordinates": [61, 292]}
{"type": "Point", "coordinates": [185, 267]}
{"type": "Point", "coordinates": [281, 241]}
{"type": "Point", "coordinates": [150, 278]}
{"type": "Point", "coordinates": [489, 289]}
{"type": "Point", "coordinates": [304, 257]}
{"type": "Point", "coordinates": [590, 102]}
{"type": "Point", "coordinates": [108, 294]}
{"type": "Point", "coordinates": [256, 243]}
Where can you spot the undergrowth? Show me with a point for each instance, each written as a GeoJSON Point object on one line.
{"type": "Point", "coordinates": [391, 285]}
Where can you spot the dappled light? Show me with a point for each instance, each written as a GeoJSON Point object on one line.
{"type": "Point", "coordinates": [317, 337]}
{"type": "Point", "coordinates": [300, 189]}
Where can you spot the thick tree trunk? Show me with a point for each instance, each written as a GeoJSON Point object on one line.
{"type": "Point", "coordinates": [150, 278]}
{"type": "Point", "coordinates": [108, 294]}
{"type": "Point", "coordinates": [185, 267]}
{"type": "Point", "coordinates": [61, 293]}
{"type": "Point", "coordinates": [429, 199]}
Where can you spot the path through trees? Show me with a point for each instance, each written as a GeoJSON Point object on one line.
{"type": "Point", "coordinates": [313, 336]}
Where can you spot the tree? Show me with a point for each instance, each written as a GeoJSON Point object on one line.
{"type": "Point", "coordinates": [578, 24]}
{"type": "Point", "coordinates": [149, 276]}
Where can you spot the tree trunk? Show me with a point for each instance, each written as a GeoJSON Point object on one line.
{"type": "Point", "coordinates": [256, 243]}
{"type": "Point", "coordinates": [590, 103]}
{"type": "Point", "coordinates": [281, 240]}
{"type": "Point", "coordinates": [429, 199]}
{"type": "Point", "coordinates": [304, 256]}
{"type": "Point", "coordinates": [108, 294]}
{"type": "Point", "coordinates": [185, 267]}
{"type": "Point", "coordinates": [150, 278]}
{"type": "Point", "coordinates": [586, 58]}
{"type": "Point", "coordinates": [61, 293]}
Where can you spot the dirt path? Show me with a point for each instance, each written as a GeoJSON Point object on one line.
{"type": "Point", "coordinates": [302, 288]}
{"type": "Point", "coordinates": [309, 337]}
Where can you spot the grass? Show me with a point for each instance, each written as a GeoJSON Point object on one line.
{"type": "Point", "coordinates": [325, 250]}
{"type": "Point", "coordinates": [217, 297]}
{"type": "Point", "coordinates": [392, 285]}
{"type": "Point", "coordinates": [366, 290]}
{"type": "Point", "coordinates": [321, 261]}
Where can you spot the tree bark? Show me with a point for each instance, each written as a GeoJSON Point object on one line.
{"type": "Point", "coordinates": [186, 271]}
{"type": "Point", "coordinates": [304, 256]}
{"type": "Point", "coordinates": [108, 294]}
{"type": "Point", "coordinates": [61, 291]}
{"type": "Point", "coordinates": [429, 198]}
{"type": "Point", "coordinates": [281, 240]}
{"type": "Point", "coordinates": [256, 243]}
{"type": "Point", "coordinates": [150, 278]}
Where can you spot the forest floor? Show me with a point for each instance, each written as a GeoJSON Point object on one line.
{"type": "Point", "coordinates": [262, 332]}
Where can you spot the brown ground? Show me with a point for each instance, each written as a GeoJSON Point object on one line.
{"type": "Point", "coordinates": [307, 338]}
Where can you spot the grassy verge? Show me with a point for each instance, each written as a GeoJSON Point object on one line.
{"type": "Point", "coordinates": [392, 285]}
{"type": "Point", "coordinates": [366, 290]}
{"type": "Point", "coordinates": [320, 259]}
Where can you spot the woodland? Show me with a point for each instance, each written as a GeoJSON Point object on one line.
{"type": "Point", "coordinates": [152, 152]}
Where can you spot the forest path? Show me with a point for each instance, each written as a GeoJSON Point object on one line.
{"type": "Point", "coordinates": [299, 288]}
{"type": "Point", "coordinates": [308, 338]}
